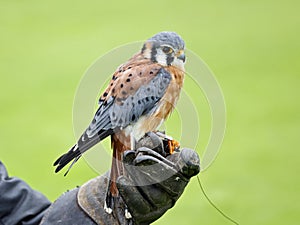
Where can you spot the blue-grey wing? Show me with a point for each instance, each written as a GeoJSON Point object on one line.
{"type": "Point", "coordinates": [120, 108]}
{"type": "Point", "coordinates": [141, 102]}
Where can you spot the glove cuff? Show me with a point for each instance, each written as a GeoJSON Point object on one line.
{"type": "Point", "coordinates": [91, 197]}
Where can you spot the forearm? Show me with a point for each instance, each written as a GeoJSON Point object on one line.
{"type": "Point", "coordinates": [65, 210]}
{"type": "Point", "coordinates": [19, 203]}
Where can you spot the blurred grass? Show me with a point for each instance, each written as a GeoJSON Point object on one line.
{"type": "Point", "coordinates": [253, 49]}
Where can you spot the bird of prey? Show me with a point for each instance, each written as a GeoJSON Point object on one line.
{"type": "Point", "coordinates": [140, 96]}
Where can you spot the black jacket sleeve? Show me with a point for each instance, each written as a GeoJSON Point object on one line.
{"type": "Point", "coordinates": [19, 204]}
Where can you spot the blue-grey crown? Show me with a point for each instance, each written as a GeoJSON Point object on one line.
{"type": "Point", "coordinates": [168, 38]}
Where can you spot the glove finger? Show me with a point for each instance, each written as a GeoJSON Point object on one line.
{"type": "Point", "coordinates": [128, 156]}
{"type": "Point", "coordinates": [149, 170]}
{"type": "Point", "coordinates": [152, 141]}
{"type": "Point", "coordinates": [150, 152]}
{"type": "Point", "coordinates": [187, 161]}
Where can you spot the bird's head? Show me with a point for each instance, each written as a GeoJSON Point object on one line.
{"type": "Point", "coordinates": [165, 48]}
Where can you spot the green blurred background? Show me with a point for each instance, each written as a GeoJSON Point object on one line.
{"type": "Point", "coordinates": [253, 47]}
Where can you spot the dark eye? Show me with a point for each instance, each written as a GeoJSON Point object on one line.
{"type": "Point", "coordinates": [167, 50]}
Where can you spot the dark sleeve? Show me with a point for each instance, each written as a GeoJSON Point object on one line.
{"type": "Point", "coordinates": [65, 210]}
{"type": "Point", "coordinates": [19, 204]}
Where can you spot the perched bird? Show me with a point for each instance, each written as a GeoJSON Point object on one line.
{"type": "Point", "coordinates": [140, 96]}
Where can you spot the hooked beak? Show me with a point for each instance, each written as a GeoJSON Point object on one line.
{"type": "Point", "coordinates": [181, 57]}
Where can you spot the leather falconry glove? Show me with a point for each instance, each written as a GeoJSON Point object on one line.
{"type": "Point", "coordinates": [153, 182]}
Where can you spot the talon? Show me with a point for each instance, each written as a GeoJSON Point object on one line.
{"type": "Point", "coordinates": [127, 214]}
{"type": "Point", "coordinates": [108, 203]}
{"type": "Point", "coordinates": [107, 209]}
{"type": "Point", "coordinates": [173, 146]}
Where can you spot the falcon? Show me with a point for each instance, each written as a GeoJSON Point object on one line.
{"type": "Point", "coordinates": [140, 96]}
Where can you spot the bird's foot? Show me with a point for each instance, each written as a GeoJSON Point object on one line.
{"type": "Point", "coordinates": [173, 146]}
{"type": "Point", "coordinates": [170, 144]}
{"type": "Point", "coordinates": [109, 202]}
{"type": "Point", "coordinates": [127, 213]}
{"type": "Point", "coordinates": [109, 205]}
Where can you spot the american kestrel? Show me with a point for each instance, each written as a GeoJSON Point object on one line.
{"type": "Point", "coordinates": [140, 96]}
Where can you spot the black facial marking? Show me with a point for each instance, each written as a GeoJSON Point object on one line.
{"type": "Point", "coordinates": [153, 53]}
{"type": "Point", "coordinates": [105, 94]}
{"type": "Point", "coordinates": [128, 80]}
{"type": "Point", "coordinates": [121, 85]}
{"type": "Point", "coordinates": [169, 60]}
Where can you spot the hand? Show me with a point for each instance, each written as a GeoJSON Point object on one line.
{"type": "Point", "coordinates": [155, 183]}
